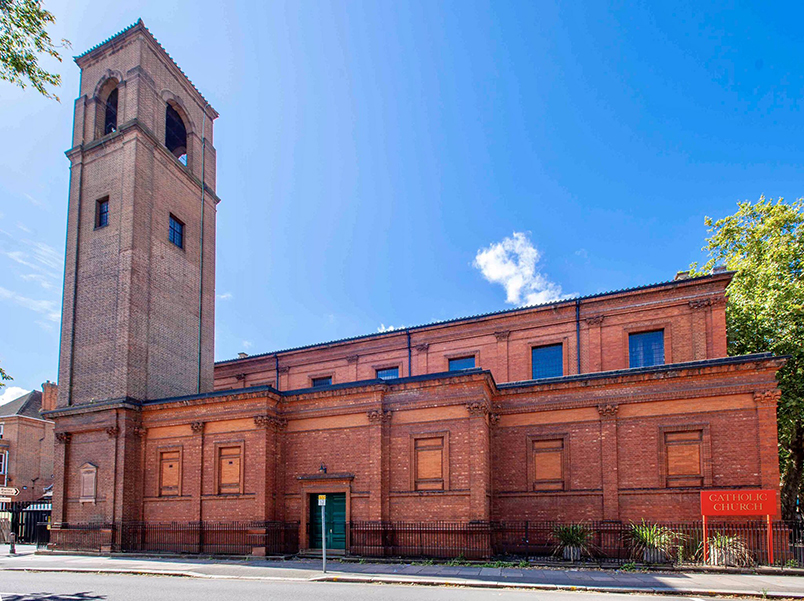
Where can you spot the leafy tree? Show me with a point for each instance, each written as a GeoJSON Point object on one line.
{"type": "Point", "coordinates": [764, 243]}
{"type": "Point", "coordinates": [23, 38]}
{"type": "Point", "coordinates": [4, 376]}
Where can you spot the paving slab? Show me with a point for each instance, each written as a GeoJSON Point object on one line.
{"type": "Point", "coordinates": [683, 583]}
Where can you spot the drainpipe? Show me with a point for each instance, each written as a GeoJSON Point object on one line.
{"type": "Point", "coordinates": [578, 332]}
{"type": "Point", "coordinates": [276, 365]}
{"type": "Point", "coordinates": [410, 355]}
{"type": "Point", "coordinates": [201, 287]}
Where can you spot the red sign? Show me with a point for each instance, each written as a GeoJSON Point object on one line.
{"type": "Point", "coordinates": [738, 502]}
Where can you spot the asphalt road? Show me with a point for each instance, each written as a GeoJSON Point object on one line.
{"type": "Point", "coordinates": [31, 586]}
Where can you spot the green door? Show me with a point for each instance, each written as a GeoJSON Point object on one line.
{"type": "Point", "coordinates": [335, 516]}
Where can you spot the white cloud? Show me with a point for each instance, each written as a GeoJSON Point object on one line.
{"type": "Point", "coordinates": [247, 344]}
{"type": "Point", "coordinates": [50, 309]}
{"type": "Point", "coordinates": [582, 252]}
{"type": "Point", "coordinates": [225, 296]}
{"type": "Point", "coordinates": [512, 264]}
{"type": "Point", "coordinates": [10, 393]}
{"type": "Point", "coordinates": [47, 327]}
{"type": "Point", "coordinates": [36, 201]}
{"type": "Point", "coordinates": [39, 279]}
{"type": "Point", "coordinates": [24, 227]}
{"type": "Point", "coordinates": [385, 328]}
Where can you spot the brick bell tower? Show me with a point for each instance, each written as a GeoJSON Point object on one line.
{"type": "Point", "coordinates": [139, 281]}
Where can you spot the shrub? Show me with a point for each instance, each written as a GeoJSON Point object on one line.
{"type": "Point", "coordinates": [653, 543]}
{"type": "Point", "coordinates": [728, 550]}
{"type": "Point", "coordinates": [573, 540]}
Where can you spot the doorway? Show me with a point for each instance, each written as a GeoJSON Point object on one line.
{"type": "Point", "coordinates": [335, 518]}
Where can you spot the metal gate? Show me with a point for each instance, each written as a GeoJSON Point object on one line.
{"type": "Point", "coordinates": [22, 518]}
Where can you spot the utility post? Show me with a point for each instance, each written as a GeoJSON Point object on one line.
{"type": "Point", "coordinates": [322, 503]}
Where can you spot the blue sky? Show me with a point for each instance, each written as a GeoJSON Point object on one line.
{"type": "Point", "coordinates": [375, 159]}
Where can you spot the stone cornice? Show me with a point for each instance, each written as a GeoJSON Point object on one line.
{"type": "Point", "coordinates": [92, 407]}
{"type": "Point", "coordinates": [620, 398]}
{"type": "Point", "coordinates": [76, 154]}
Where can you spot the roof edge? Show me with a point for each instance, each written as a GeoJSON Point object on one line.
{"type": "Point", "coordinates": [600, 375]}
{"type": "Point", "coordinates": [139, 26]}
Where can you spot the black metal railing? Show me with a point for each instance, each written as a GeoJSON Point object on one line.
{"type": "Point", "coordinates": [212, 538]}
{"type": "Point", "coordinates": [745, 542]}
{"type": "Point", "coordinates": [604, 541]}
{"type": "Point", "coordinates": [208, 538]}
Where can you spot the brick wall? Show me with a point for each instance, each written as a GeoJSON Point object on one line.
{"type": "Point", "coordinates": [691, 313]}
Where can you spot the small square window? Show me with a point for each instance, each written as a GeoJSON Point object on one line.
{"type": "Point", "coordinates": [325, 381]}
{"type": "Point", "coordinates": [646, 349]}
{"type": "Point", "coordinates": [176, 232]}
{"type": "Point", "coordinates": [102, 212]}
{"type": "Point", "coordinates": [547, 361]}
{"type": "Point", "coordinates": [388, 373]}
{"type": "Point", "coordinates": [460, 363]}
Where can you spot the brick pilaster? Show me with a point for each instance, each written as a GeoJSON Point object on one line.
{"type": "Point", "coordinates": [609, 463]}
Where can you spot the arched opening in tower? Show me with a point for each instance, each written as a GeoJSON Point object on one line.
{"type": "Point", "coordinates": [110, 116]}
{"type": "Point", "coordinates": [175, 134]}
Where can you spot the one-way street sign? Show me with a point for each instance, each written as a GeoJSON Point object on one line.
{"type": "Point", "coordinates": [9, 492]}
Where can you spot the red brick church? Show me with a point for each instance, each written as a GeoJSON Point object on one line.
{"type": "Point", "coordinates": [615, 406]}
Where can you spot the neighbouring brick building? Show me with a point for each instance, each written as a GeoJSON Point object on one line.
{"type": "Point", "coordinates": [615, 406]}
{"type": "Point", "coordinates": [26, 443]}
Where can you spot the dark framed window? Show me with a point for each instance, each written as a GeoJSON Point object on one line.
{"type": "Point", "coordinates": [388, 373]}
{"type": "Point", "coordinates": [646, 349]}
{"type": "Point", "coordinates": [547, 361]}
{"type": "Point", "coordinates": [102, 212]}
{"type": "Point", "coordinates": [459, 363]}
{"type": "Point", "coordinates": [176, 232]}
{"type": "Point", "coordinates": [323, 381]}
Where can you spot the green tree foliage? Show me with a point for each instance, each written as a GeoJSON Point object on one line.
{"type": "Point", "coordinates": [23, 38]}
{"type": "Point", "coordinates": [4, 377]}
{"type": "Point", "coordinates": [764, 243]}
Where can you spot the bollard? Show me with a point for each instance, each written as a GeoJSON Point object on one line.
{"type": "Point", "coordinates": [12, 548]}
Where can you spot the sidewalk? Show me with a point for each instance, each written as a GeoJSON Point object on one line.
{"type": "Point", "coordinates": [679, 583]}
